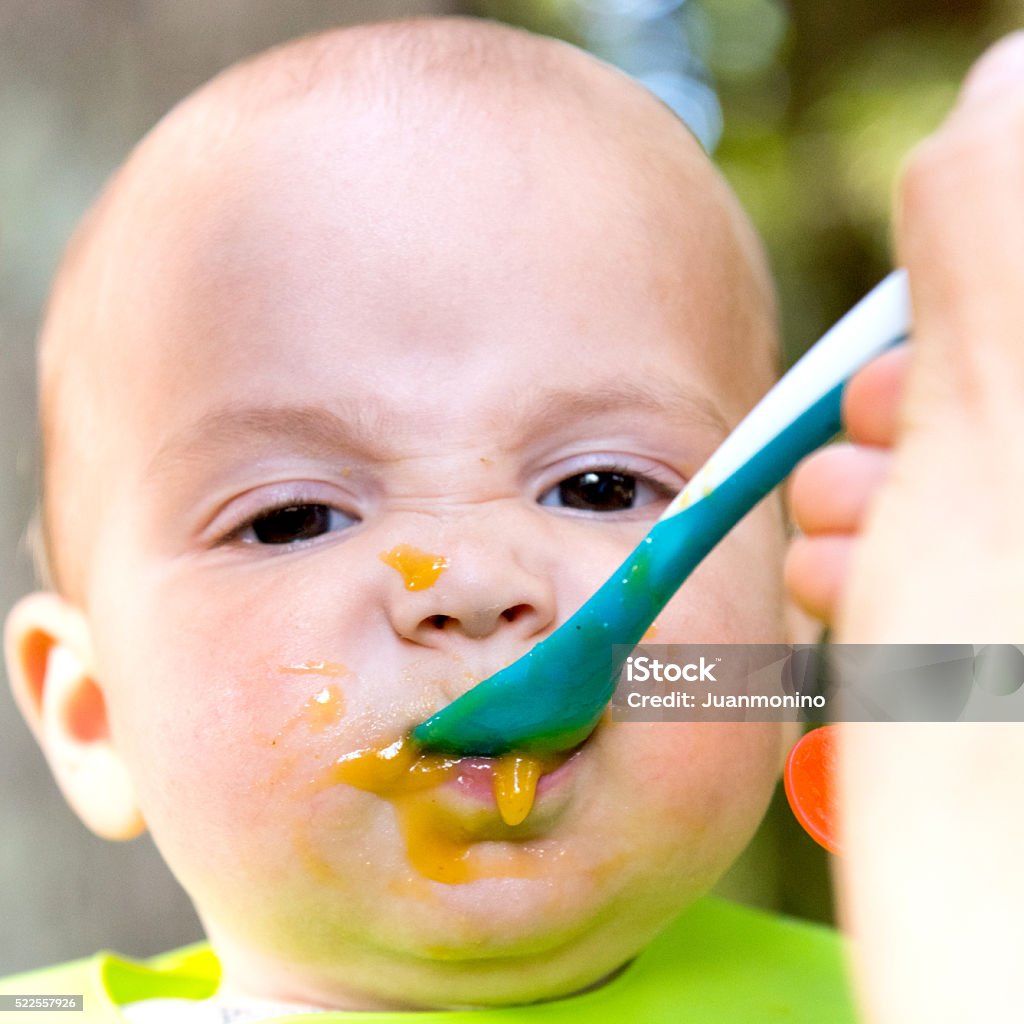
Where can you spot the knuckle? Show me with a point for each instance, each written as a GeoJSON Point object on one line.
{"type": "Point", "coordinates": [968, 154]}
{"type": "Point", "coordinates": [932, 171]}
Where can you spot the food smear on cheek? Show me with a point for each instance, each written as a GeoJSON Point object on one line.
{"type": "Point", "coordinates": [317, 668]}
{"type": "Point", "coordinates": [325, 708]}
{"type": "Point", "coordinates": [419, 569]}
{"type": "Point", "coordinates": [438, 849]}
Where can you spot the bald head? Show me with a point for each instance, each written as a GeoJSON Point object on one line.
{"type": "Point", "coordinates": [394, 127]}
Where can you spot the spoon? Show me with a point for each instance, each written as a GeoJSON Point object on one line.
{"type": "Point", "coordinates": [552, 697]}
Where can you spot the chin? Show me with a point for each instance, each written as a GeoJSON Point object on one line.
{"type": "Point", "coordinates": [510, 973]}
{"type": "Point", "coordinates": [539, 925]}
{"type": "Point", "coordinates": [499, 917]}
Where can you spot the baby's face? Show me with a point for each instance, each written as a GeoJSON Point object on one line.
{"type": "Point", "coordinates": [328, 349]}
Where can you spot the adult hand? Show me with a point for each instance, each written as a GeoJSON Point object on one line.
{"type": "Point", "coordinates": [915, 533]}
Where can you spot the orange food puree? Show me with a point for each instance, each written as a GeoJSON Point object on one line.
{"type": "Point", "coordinates": [515, 785]}
{"type": "Point", "coordinates": [418, 569]}
{"type": "Point", "coordinates": [324, 708]}
{"type": "Point", "coordinates": [437, 848]}
{"type": "Point", "coordinates": [317, 668]}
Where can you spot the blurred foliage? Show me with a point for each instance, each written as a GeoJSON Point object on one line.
{"type": "Point", "coordinates": [820, 103]}
{"type": "Point", "coordinates": [817, 168]}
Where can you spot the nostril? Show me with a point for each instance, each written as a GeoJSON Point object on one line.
{"type": "Point", "coordinates": [515, 612]}
{"type": "Point", "coordinates": [439, 621]}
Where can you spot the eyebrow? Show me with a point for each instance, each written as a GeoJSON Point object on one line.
{"type": "Point", "coordinates": [551, 408]}
{"type": "Point", "coordinates": [314, 431]}
{"type": "Point", "coordinates": [321, 433]}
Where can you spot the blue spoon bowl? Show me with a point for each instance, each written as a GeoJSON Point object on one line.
{"type": "Point", "coordinates": [552, 697]}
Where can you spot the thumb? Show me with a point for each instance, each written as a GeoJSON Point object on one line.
{"type": "Point", "coordinates": [997, 71]}
{"type": "Point", "coordinates": [960, 231]}
{"type": "Point", "coordinates": [940, 554]}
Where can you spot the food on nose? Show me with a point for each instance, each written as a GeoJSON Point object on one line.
{"type": "Point", "coordinates": [419, 569]}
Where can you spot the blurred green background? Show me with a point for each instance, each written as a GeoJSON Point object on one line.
{"type": "Point", "coordinates": [808, 106]}
{"type": "Point", "coordinates": [819, 104]}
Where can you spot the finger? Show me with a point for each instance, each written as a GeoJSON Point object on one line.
{"type": "Point", "coordinates": [832, 490]}
{"type": "Point", "coordinates": [816, 570]}
{"type": "Point", "coordinates": [999, 69]}
{"type": "Point", "coordinates": [874, 397]}
{"type": "Point", "coordinates": [961, 218]}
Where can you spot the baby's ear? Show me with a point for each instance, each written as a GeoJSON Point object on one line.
{"type": "Point", "coordinates": [48, 647]}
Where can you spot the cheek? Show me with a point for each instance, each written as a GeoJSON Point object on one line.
{"type": "Point", "coordinates": [704, 789]}
{"type": "Point", "coordinates": [715, 771]}
{"type": "Point", "coordinates": [227, 710]}
{"type": "Point", "coordinates": [736, 594]}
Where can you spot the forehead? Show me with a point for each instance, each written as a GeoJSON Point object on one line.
{"type": "Point", "coordinates": [386, 237]}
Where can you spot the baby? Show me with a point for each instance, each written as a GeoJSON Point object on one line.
{"type": "Point", "coordinates": [376, 358]}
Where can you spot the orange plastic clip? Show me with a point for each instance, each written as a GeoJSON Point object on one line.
{"type": "Point", "coordinates": [809, 781]}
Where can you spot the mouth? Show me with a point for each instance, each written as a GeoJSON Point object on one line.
{"type": "Point", "coordinates": [519, 788]}
{"type": "Point", "coordinates": [467, 818]}
{"type": "Point", "coordinates": [513, 788]}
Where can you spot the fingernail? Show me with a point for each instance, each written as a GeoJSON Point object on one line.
{"type": "Point", "coordinates": [1001, 68]}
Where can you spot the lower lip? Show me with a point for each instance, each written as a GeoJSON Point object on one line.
{"type": "Point", "coordinates": [474, 777]}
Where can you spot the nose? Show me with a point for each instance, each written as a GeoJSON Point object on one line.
{"type": "Point", "coordinates": [483, 590]}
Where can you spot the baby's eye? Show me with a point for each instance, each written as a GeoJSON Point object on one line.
{"type": "Point", "coordinates": [605, 490]}
{"type": "Point", "coordinates": [294, 523]}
